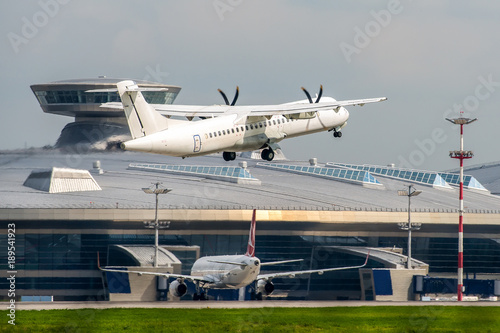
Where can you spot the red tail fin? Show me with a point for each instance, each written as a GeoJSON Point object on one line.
{"type": "Point", "coordinates": [251, 238]}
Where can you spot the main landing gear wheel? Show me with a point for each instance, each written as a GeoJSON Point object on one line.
{"type": "Point", "coordinates": [337, 134]}
{"type": "Point", "coordinates": [267, 154]}
{"type": "Point", "coordinates": [255, 296]}
{"type": "Point", "coordinates": [200, 297]}
{"type": "Point", "coordinates": [229, 156]}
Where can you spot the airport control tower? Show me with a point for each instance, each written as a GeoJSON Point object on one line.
{"type": "Point", "coordinates": [93, 126]}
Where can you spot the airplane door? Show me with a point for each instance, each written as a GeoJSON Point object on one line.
{"type": "Point", "coordinates": [197, 143]}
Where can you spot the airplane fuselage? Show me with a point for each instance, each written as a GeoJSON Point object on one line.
{"type": "Point", "coordinates": [228, 133]}
{"type": "Point", "coordinates": [227, 275]}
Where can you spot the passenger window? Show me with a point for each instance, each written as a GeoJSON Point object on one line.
{"type": "Point", "coordinates": [232, 130]}
{"type": "Point", "coordinates": [220, 133]}
{"type": "Point", "coordinates": [210, 135]}
{"type": "Point", "coordinates": [223, 132]}
{"type": "Point", "coordinates": [260, 125]}
{"type": "Point", "coordinates": [246, 126]}
{"type": "Point", "coordinates": [274, 122]}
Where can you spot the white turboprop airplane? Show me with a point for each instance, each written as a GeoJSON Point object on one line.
{"type": "Point", "coordinates": [225, 128]}
{"type": "Point", "coordinates": [230, 272]}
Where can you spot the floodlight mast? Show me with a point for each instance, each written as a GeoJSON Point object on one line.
{"type": "Point", "coordinates": [156, 225]}
{"type": "Point", "coordinates": [461, 155]}
{"type": "Point", "coordinates": [409, 227]}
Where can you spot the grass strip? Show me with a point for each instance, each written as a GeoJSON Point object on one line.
{"type": "Point", "coordinates": [333, 319]}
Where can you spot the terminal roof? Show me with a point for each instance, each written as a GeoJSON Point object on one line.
{"type": "Point", "coordinates": [122, 187]}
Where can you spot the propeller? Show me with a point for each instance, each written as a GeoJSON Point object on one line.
{"type": "Point", "coordinates": [236, 94]}
{"type": "Point", "coordinates": [309, 96]}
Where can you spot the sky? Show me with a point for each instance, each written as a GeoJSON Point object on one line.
{"type": "Point", "coordinates": [431, 59]}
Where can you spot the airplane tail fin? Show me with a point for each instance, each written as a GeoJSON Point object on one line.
{"type": "Point", "coordinates": [251, 238]}
{"type": "Point", "coordinates": [142, 118]}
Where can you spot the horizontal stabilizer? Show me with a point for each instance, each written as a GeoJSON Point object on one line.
{"type": "Point", "coordinates": [228, 262]}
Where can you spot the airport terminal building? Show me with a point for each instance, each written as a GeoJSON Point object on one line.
{"type": "Point", "coordinates": [67, 209]}
{"type": "Point", "coordinates": [302, 214]}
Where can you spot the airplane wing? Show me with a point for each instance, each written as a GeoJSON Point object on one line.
{"type": "Point", "coordinates": [250, 110]}
{"type": "Point", "coordinates": [269, 263]}
{"type": "Point", "coordinates": [183, 110]}
{"type": "Point", "coordinates": [166, 275]}
{"type": "Point", "coordinates": [293, 274]}
{"type": "Point", "coordinates": [256, 110]}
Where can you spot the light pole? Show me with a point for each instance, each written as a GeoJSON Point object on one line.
{"type": "Point", "coordinates": [155, 224]}
{"type": "Point", "coordinates": [461, 155]}
{"type": "Point", "coordinates": [408, 226]}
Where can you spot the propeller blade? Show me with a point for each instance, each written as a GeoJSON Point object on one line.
{"type": "Point", "coordinates": [236, 96]}
{"type": "Point", "coordinates": [224, 96]}
{"type": "Point", "coordinates": [307, 94]}
{"type": "Point", "coordinates": [320, 94]}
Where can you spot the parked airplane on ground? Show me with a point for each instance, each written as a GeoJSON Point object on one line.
{"type": "Point", "coordinates": [225, 128]}
{"type": "Point", "coordinates": [230, 272]}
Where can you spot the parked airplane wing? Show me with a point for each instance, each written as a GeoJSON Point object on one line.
{"type": "Point", "coordinates": [166, 275]}
{"type": "Point", "coordinates": [293, 274]}
{"type": "Point", "coordinates": [269, 263]}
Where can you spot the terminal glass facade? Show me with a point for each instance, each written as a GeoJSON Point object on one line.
{"type": "Point", "coordinates": [52, 262]}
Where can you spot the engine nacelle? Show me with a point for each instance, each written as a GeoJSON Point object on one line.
{"type": "Point", "coordinates": [177, 288]}
{"type": "Point", "coordinates": [265, 287]}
